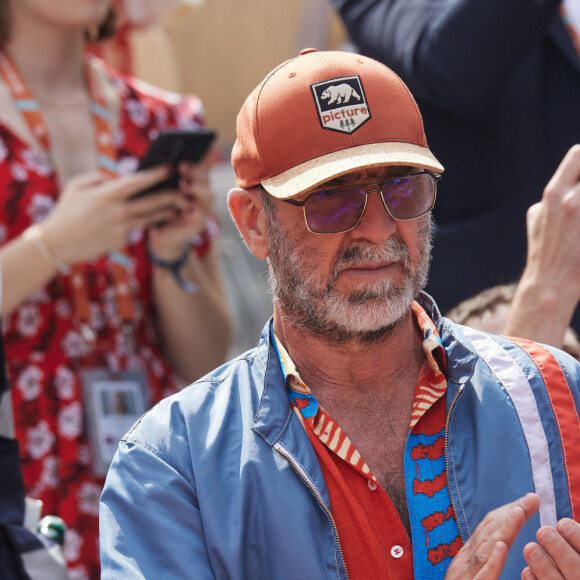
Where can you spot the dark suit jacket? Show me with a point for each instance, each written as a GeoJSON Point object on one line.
{"type": "Point", "coordinates": [498, 84]}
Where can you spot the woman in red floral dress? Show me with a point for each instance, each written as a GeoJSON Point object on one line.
{"type": "Point", "coordinates": [88, 302]}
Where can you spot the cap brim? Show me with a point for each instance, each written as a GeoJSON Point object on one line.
{"type": "Point", "coordinates": [303, 177]}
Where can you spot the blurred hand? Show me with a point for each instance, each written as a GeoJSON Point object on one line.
{"type": "Point", "coordinates": [484, 555]}
{"type": "Point", "coordinates": [170, 240]}
{"type": "Point", "coordinates": [94, 213]}
{"type": "Point", "coordinates": [556, 555]}
{"type": "Point", "coordinates": [554, 231]}
{"type": "Point", "coordinates": [549, 289]}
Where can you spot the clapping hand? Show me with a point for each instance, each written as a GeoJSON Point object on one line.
{"type": "Point", "coordinates": [556, 555]}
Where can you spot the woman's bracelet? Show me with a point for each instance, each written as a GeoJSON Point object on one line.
{"type": "Point", "coordinates": [175, 266]}
{"type": "Point", "coordinates": [36, 234]}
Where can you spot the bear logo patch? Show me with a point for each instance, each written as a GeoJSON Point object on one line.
{"type": "Point", "coordinates": [341, 104]}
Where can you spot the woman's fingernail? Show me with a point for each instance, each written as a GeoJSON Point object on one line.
{"type": "Point", "coordinates": [535, 553]}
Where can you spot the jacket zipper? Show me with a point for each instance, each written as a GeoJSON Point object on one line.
{"type": "Point", "coordinates": [447, 420]}
{"type": "Point", "coordinates": [306, 480]}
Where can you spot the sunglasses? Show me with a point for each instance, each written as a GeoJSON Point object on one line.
{"type": "Point", "coordinates": [340, 208]}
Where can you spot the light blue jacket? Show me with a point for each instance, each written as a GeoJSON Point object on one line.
{"type": "Point", "coordinates": [221, 481]}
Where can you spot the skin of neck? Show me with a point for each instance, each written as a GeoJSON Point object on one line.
{"type": "Point", "coordinates": [49, 57]}
{"type": "Point", "coordinates": [354, 369]}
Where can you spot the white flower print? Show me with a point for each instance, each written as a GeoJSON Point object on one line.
{"type": "Point", "coordinates": [29, 320]}
{"type": "Point", "coordinates": [39, 440]}
{"type": "Point", "coordinates": [154, 133]}
{"type": "Point", "coordinates": [64, 382]}
{"type": "Point", "coordinates": [113, 362]}
{"type": "Point", "coordinates": [161, 117]}
{"type": "Point", "coordinates": [30, 382]}
{"type": "Point", "coordinates": [184, 121]}
{"type": "Point", "coordinates": [127, 165]}
{"type": "Point", "coordinates": [40, 295]}
{"type": "Point", "coordinates": [62, 308]}
{"type": "Point", "coordinates": [97, 319]}
{"type": "Point", "coordinates": [18, 172]}
{"type": "Point", "coordinates": [78, 572]}
{"type": "Point", "coordinates": [138, 113]}
{"type": "Point", "coordinates": [49, 475]}
{"type": "Point", "coordinates": [134, 363]}
{"type": "Point", "coordinates": [135, 236]}
{"type": "Point", "coordinates": [157, 368]}
{"type": "Point", "coordinates": [109, 307]}
{"type": "Point", "coordinates": [74, 345]}
{"type": "Point", "coordinates": [89, 495]}
{"type": "Point", "coordinates": [73, 542]}
{"type": "Point", "coordinates": [37, 162]}
{"type": "Point", "coordinates": [40, 206]}
{"type": "Point", "coordinates": [70, 420]}
{"type": "Point", "coordinates": [84, 455]}
{"type": "Point", "coordinates": [37, 357]}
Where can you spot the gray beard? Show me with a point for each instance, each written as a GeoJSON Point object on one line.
{"type": "Point", "coordinates": [367, 313]}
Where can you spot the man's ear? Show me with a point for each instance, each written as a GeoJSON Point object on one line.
{"type": "Point", "coordinates": [248, 212]}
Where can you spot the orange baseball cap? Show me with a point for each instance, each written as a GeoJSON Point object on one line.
{"type": "Point", "coordinates": [324, 114]}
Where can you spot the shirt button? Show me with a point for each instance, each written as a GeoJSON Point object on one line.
{"type": "Point", "coordinates": [396, 551]}
{"type": "Point", "coordinates": [372, 485]}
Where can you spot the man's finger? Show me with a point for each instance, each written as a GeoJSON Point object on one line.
{"type": "Point", "coordinates": [520, 511]}
{"type": "Point", "coordinates": [539, 562]}
{"type": "Point", "coordinates": [527, 574]}
{"type": "Point", "coordinates": [570, 530]}
{"type": "Point", "coordinates": [568, 172]}
{"type": "Point", "coordinates": [565, 557]}
{"type": "Point", "coordinates": [492, 569]}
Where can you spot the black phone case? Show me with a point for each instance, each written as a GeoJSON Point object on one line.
{"type": "Point", "coordinates": [171, 147]}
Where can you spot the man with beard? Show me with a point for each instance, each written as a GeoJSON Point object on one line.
{"type": "Point", "coordinates": [365, 436]}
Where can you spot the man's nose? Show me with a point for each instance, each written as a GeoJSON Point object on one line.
{"type": "Point", "coordinates": [376, 224]}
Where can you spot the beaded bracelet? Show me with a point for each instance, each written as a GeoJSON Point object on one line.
{"type": "Point", "coordinates": [174, 267]}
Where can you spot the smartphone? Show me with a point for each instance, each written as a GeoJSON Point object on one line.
{"type": "Point", "coordinates": [172, 146]}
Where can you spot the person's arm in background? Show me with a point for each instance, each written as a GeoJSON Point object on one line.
{"type": "Point", "coordinates": [549, 289]}
{"type": "Point", "coordinates": [194, 327]}
{"type": "Point", "coordinates": [452, 54]}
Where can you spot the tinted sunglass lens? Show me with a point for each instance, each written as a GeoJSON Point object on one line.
{"type": "Point", "coordinates": [334, 211]}
{"type": "Point", "coordinates": [409, 197]}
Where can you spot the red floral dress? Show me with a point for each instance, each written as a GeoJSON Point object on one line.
{"type": "Point", "coordinates": [45, 350]}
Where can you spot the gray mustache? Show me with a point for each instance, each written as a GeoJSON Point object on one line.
{"type": "Point", "coordinates": [393, 250]}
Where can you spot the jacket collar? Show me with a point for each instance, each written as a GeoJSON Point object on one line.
{"type": "Point", "coordinates": [273, 414]}
{"type": "Point", "coordinates": [274, 411]}
{"type": "Point", "coordinates": [459, 359]}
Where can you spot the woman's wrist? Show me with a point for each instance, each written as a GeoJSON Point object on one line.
{"type": "Point", "coordinates": [174, 267]}
{"type": "Point", "coordinates": [36, 234]}
{"type": "Point", "coordinates": [169, 253]}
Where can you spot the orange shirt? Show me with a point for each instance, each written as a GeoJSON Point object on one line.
{"type": "Point", "coordinates": [372, 537]}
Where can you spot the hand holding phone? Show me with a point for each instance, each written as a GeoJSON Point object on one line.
{"type": "Point", "coordinates": [172, 146]}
